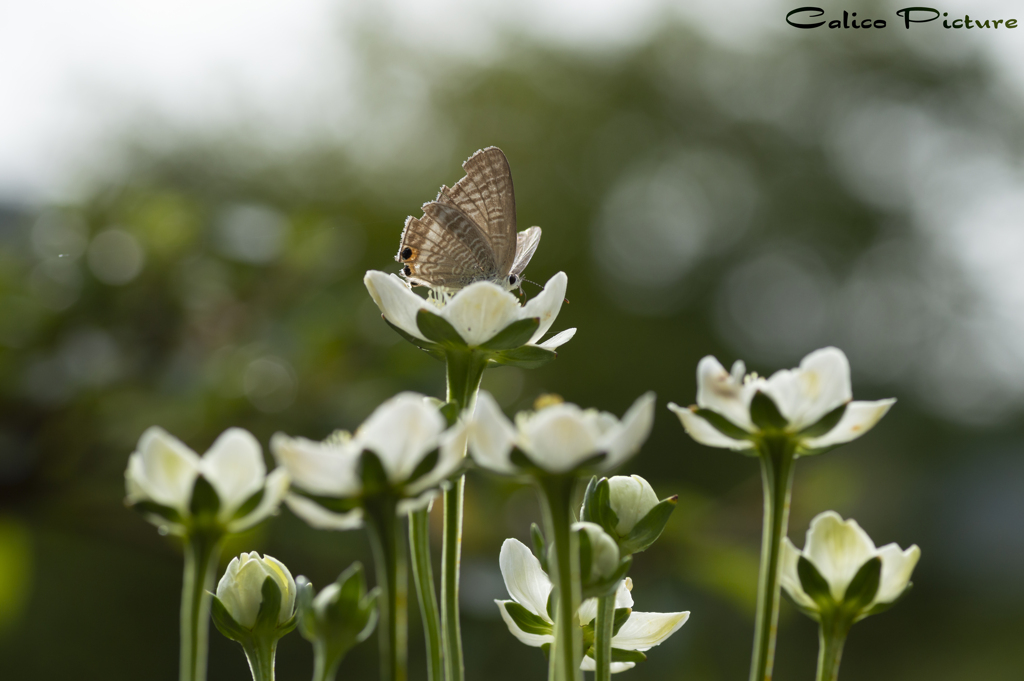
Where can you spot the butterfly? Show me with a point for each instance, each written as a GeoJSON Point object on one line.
{"type": "Point", "coordinates": [468, 233]}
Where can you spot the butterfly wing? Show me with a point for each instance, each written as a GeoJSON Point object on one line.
{"type": "Point", "coordinates": [526, 244]}
{"type": "Point", "coordinates": [445, 249]}
{"type": "Point", "coordinates": [486, 196]}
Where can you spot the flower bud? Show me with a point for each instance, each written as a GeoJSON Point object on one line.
{"type": "Point", "coordinates": [603, 552]}
{"type": "Point", "coordinates": [631, 498]}
{"type": "Point", "coordinates": [240, 590]}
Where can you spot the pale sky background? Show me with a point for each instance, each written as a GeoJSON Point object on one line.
{"type": "Point", "coordinates": [75, 74]}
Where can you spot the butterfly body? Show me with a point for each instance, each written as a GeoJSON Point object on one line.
{"type": "Point", "coordinates": [468, 233]}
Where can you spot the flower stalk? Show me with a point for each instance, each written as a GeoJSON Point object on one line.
{"type": "Point", "coordinates": [423, 578]}
{"type": "Point", "coordinates": [604, 629]}
{"type": "Point", "coordinates": [831, 637]}
{"type": "Point", "coordinates": [567, 650]}
{"type": "Point", "coordinates": [261, 660]}
{"type": "Point", "coordinates": [777, 458]}
{"type": "Point", "coordinates": [389, 559]}
{"type": "Point", "coordinates": [465, 370]}
{"type": "Point", "coordinates": [202, 554]}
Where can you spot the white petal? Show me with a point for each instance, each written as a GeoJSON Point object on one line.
{"type": "Point", "coordinates": [525, 580]}
{"type": "Point", "coordinates": [285, 582]}
{"type": "Point", "coordinates": [242, 596]}
{"type": "Point", "coordinates": [589, 665]}
{"type": "Point", "coordinates": [546, 305]}
{"type": "Point", "coordinates": [838, 549]}
{"type": "Point", "coordinates": [167, 469]}
{"type": "Point", "coordinates": [274, 489]}
{"type": "Point", "coordinates": [859, 418]}
{"type": "Point", "coordinates": [559, 438]}
{"type": "Point", "coordinates": [623, 599]}
{"type": "Point", "coordinates": [558, 340]}
{"type": "Point", "coordinates": [396, 301]}
{"type": "Point", "coordinates": [724, 393]}
{"type": "Point", "coordinates": [234, 467]}
{"type": "Point", "coordinates": [789, 578]}
{"type": "Point", "coordinates": [632, 498]}
{"type": "Point", "coordinates": [491, 435]}
{"type": "Point", "coordinates": [316, 467]}
{"type": "Point", "coordinates": [632, 432]}
{"type": "Point", "coordinates": [452, 453]}
{"type": "Point", "coordinates": [644, 630]}
{"type": "Point", "coordinates": [401, 431]}
{"type": "Point", "coordinates": [705, 433]}
{"type": "Point", "coordinates": [819, 385]}
{"type": "Point", "coordinates": [897, 566]}
{"type": "Point", "coordinates": [320, 518]}
{"type": "Point", "coordinates": [479, 311]}
{"type": "Point", "coordinates": [535, 640]}
{"type": "Point", "coordinates": [418, 503]}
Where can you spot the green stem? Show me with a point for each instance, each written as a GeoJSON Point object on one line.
{"type": "Point", "coordinates": [323, 669]}
{"type": "Point", "coordinates": [777, 460]}
{"type": "Point", "coordinates": [464, 369]}
{"type": "Point", "coordinates": [261, 660]}
{"type": "Point", "coordinates": [389, 558]}
{"type": "Point", "coordinates": [567, 650]}
{"type": "Point", "coordinates": [423, 578]}
{"type": "Point", "coordinates": [831, 637]}
{"type": "Point", "coordinates": [202, 554]}
{"type": "Point", "coordinates": [603, 628]}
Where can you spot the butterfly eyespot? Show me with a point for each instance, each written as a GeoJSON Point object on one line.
{"type": "Point", "coordinates": [406, 253]}
{"type": "Point", "coordinates": [407, 270]}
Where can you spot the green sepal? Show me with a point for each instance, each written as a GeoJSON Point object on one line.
{"type": "Point", "coordinates": [514, 335]}
{"type": "Point", "coordinates": [722, 424]}
{"type": "Point", "coordinates": [765, 414]}
{"type": "Point", "coordinates": [546, 649]}
{"type": "Point", "coordinates": [524, 357]}
{"type": "Point", "coordinates": [826, 423]}
{"type": "Point", "coordinates": [539, 547]}
{"type": "Point", "coordinates": [432, 349]}
{"type": "Point", "coordinates": [438, 329]}
{"type": "Point", "coordinates": [634, 656]}
{"type": "Point", "coordinates": [333, 504]}
{"type": "Point", "coordinates": [204, 498]}
{"type": "Point", "coordinates": [304, 608]}
{"type": "Point", "coordinates": [597, 506]}
{"type": "Point", "coordinates": [372, 473]}
{"type": "Point", "coordinates": [864, 586]}
{"type": "Point", "coordinates": [152, 509]}
{"type": "Point", "coordinates": [649, 528]}
{"type": "Point", "coordinates": [450, 412]}
{"type": "Point", "coordinates": [426, 465]}
{"type": "Point", "coordinates": [526, 620]}
{"type": "Point", "coordinates": [814, 585]}
{"type": "Point", "coordinates": [250, 504]}
{"type": "Point", "coordinates": [270, 606]}
{"type": "Point", "coordinates": [882, 607]}
{"type": "Point", "coordinates": [586, 557]}
{"type": "Point", "coordinates": [621, 615]}
{"type": "Point", "coordinates": [225, 623]}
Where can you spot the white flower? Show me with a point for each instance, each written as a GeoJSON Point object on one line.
{"type": "Point", "coordinates": [838, 549]}
{"type": "Point", "coordinates": [477, 312]}
{"type": "Point", "coordinates": [164, 472]}
{"type": "Point", "coordinates": [803, 396]}
{"type": "Point", "coordinates": [402, 432]}
{"type": "Point", "coordinates": [632, 498]}
{"type": "Point", "coordinates": [241, 588]}
{"type": "Point", "coordinates": [558, 438]}
{"type": "Point", "coordinates": [530, 587]}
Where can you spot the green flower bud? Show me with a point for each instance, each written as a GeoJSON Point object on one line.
{"type": "Point", "coordinates": [632, 498]}
{"type": "Point", "coordinates": [240, 590]}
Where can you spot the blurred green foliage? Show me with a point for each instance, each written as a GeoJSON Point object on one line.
{"type": "Point", "coordinates": [231, 294]}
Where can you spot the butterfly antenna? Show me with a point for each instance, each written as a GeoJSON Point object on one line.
{"type": "Point", "coordinates": [538, 286]}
